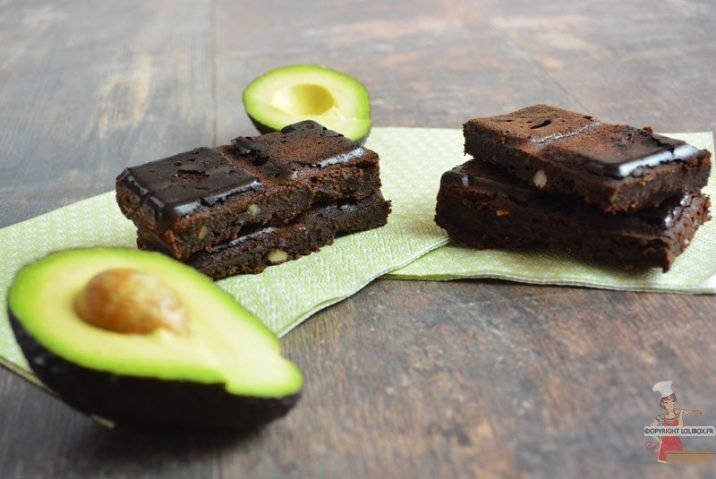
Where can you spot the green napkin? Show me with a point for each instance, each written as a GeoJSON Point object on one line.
{"type": "Point", "coordinates": [693, 272]}
{"type": "Point", "coordinates": [284, 295]}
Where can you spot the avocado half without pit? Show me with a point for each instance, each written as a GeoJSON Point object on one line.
{"type": "Point", "coordinates": [290, 94]}
{"type": "Point", "coordinates": [141, 339]}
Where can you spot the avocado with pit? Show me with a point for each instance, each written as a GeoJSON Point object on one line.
{"type": "Point", "coordinates": [290, 94]}
{"type": "Point", "coordinates": [141, 339]}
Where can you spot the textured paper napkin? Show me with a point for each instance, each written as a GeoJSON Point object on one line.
{"type": "Point", "coordinates": [412, 160]}
{"type": "Point", "coordinates": [284, 295]}
{"type": "Point", "coordinates": [693, 272]}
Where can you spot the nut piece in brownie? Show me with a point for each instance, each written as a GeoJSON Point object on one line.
{"type": "Point", "coordinates": [261, 246]}
{"type": "Point", "coordinates": [187, 202]}
{"type": "Point", "coordinates": [483, 207]}
{"type": "Point", "coordinates": [616, 167]}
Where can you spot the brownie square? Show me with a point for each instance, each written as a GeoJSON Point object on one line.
{"type": "Point", "coordinates": [188, 202]}
{"type": "Point", "coordinates": [483, 207]}
{"type": "Point", "coordinates": [615, 167]}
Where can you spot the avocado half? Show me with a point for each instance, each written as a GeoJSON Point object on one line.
{"type": "Point", "coordinates": [290, 94]}
{"type": "Point", "coordinates": [227, 372]}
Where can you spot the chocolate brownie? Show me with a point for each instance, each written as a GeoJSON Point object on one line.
{"type": "Point", "coordinates": [616, 167]}
{"type": "Point", "coordinates": [261, 246]}
{"type": "Point", "coordinates": [482, 206]}
{"type": "Point", "coordinates": [192, 200]}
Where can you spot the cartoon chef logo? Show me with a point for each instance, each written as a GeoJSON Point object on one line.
{"type": "Point", "coordinates": [668, 429]}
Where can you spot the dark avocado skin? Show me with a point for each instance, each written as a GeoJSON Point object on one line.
{"type": "Point", "coordinates": [144, 402]}
{"type": "Point", "coordinates": [263, 129]}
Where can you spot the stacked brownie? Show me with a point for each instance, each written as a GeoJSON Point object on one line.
{"type": "Point", "coordinates": [258, 202]}
{"type": "Point", "coordinates": [551, 177]}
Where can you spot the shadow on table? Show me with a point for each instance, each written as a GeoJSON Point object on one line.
{"type": "Point", "coordinates": [122, 442]}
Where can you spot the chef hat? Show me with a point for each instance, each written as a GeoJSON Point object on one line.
{"type": "Point", "coordinates": [664, 388]}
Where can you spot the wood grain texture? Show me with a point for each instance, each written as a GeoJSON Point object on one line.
{"type": "Point", "coordinates": [405, 379]}
{"type": "Point", "coordinates": [87, 90]}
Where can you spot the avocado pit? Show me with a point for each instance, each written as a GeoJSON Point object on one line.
{"type": "Point", "coordinates": [128, 301]}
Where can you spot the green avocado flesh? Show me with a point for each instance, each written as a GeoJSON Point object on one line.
{"type": "Point", "coordinates": [227, 345]}
{"type": "Point", "coordinates": [290, 94]}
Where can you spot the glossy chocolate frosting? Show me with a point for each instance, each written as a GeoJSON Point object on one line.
{"type": "Point", "coordinates": [179, 184]}
{"type": "Point", "coordinates": [570, 138]}
{"type": "Point", "coordinates": [305, 144]}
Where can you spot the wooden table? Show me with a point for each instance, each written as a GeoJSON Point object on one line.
{"type": "Point", "coordinates": [405, 379]}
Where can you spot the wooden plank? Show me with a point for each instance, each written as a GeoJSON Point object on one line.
{"type": "Point", "coordinates": [422, 66]}
{"type": "Point", "coordinates": [468, 379]}
{"type": "Point", "coordinates": [625, 62]}
{"type": "Point", "coordinates": [88, 90]}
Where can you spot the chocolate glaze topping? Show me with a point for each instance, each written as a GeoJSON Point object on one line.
{"type": "Point", "coordinates": [667, 213]}
{"type": "Point", "coordinates": [180, 184]}
{"type": "Point", "coordinates": [620, 151]}
{"type": "Point", "coordinates": [303, 144]}
{"type": "Point", "coordinates": [244, 145]}
{"type": "Point", "coordinates": [177, 186]}
{"type": "Point", "coordinates": [571, 138]}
